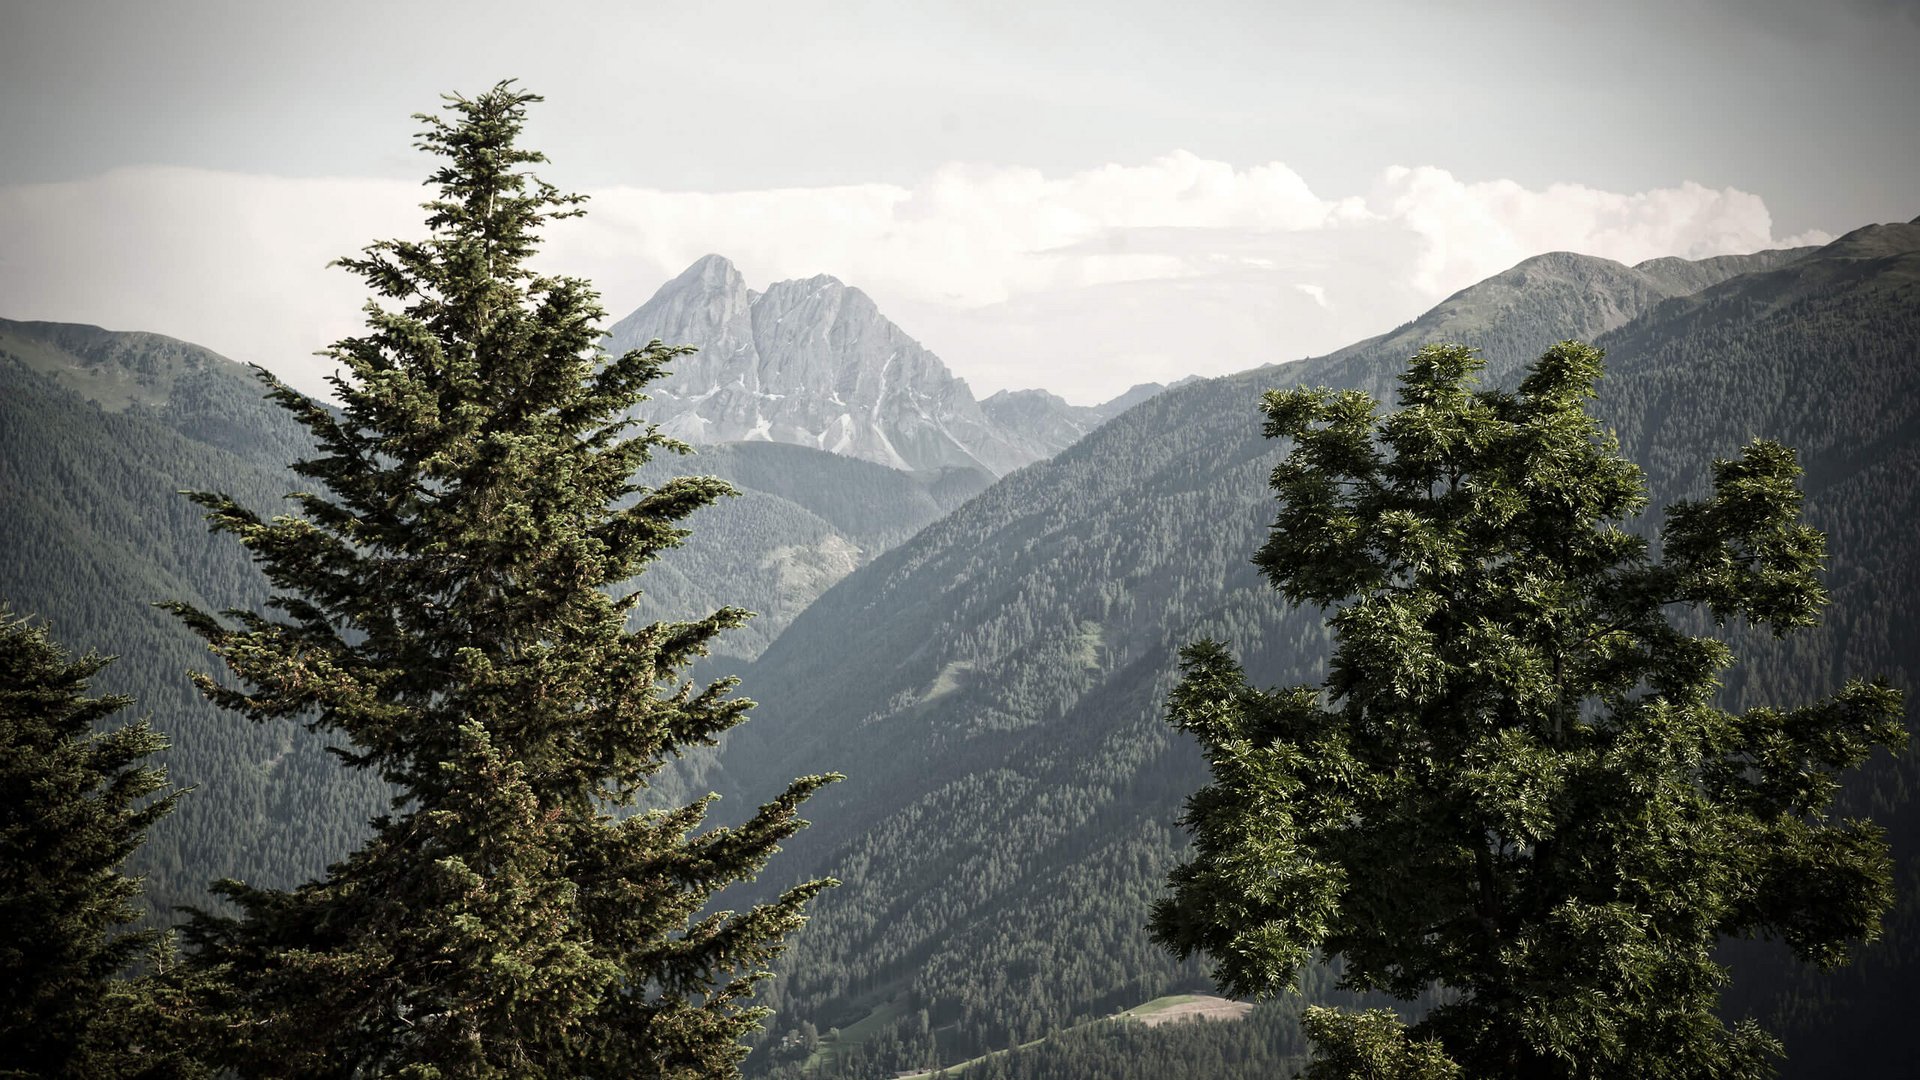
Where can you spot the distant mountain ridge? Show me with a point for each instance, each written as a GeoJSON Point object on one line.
{"type": "Point", "coordinates": [994, 686]}
{"type": "Point", "coordinates": [115, 369]}
{"type": "Point", "coordinates": [1048, 424]}
{"type": "Point", "coordinates": [814, 363]}
{"type": "Point", "coordinates": [186, 388]}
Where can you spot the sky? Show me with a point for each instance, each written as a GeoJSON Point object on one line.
{"type": "Point", "coordinates": [1076, 197]}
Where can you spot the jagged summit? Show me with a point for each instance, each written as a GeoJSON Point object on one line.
{"type": "Point", "coordinates": [809, 362]}
{"type": "Point", "coordinates": [814, 362]}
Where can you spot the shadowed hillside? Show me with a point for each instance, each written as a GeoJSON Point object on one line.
{"type": "Point", "coordinates": [100, 430]}
{"type": "Point", "coordinates": [994, 686]}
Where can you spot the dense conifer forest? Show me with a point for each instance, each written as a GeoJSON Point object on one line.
{"type": "Point", "coordinates": [1045, 617]}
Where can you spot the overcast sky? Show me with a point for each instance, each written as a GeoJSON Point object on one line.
{"type": "Point", "coordinates": [1073, 196]}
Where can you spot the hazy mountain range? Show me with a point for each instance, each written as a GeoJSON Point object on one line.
{"type": "Point", "coordinates": [988, 659]}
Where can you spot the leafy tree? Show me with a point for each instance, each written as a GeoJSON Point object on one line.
{"type": "Point", "coordinates": [74, 803]}
{"type": "Point", "coordinates": [450, 603]}
{"type": "Point", "coordinates": [1371, 1044]}
{"type": "Point", "coordinates": [1516, 785]}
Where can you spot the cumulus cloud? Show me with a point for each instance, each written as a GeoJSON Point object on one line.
{"type": "Point", "coordinates": [1471, 230]}
{"type": "Point", "coordinates": [969, 235]}
{"type": "Point", "coordinates": [1082, 283]}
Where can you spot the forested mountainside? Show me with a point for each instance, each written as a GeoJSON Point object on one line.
{"type": "Point", "coordinates": [994, 686]}
{"type": "Point", "coordinates": [100, 430]}
{"type": "Point", "coordinates": [1822, 355]}
{"type": "Point", "coordinates": [94, 534]}
{"type": "Point", "coordinates": [814, 363]}
{"type": "Point", "coordinates": [803, 520]}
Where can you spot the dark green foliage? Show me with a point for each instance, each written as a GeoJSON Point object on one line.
{"type": "Point", "coordinates": [450, 604]}
{"type": "Point", "coordinates": [1519, 787]}
{"type": "Point", "coordinates": [1371, 1045]}
{"type": "Point", "coordinates": [1009, 664]}
{"type": "Point", "coordinates": [1000, 872]}
{"type": "Point", "coordinates": [76, 798]}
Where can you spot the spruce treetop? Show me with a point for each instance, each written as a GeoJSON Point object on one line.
{"type": "Point", "coordinates": [451, 604]}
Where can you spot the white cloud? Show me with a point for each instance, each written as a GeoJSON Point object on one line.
{"type": "Point", "coordinates": [971, 235]}
{"type": "Point", "coordinates": [1472, 230]}
{"type": "Point", "coordinates": [1082, 283]}
{"type": "Point", "coordinates": [234, 262]}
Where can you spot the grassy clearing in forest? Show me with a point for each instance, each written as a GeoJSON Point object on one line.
{"type": "Point", "coordinates": [1160, 1010]}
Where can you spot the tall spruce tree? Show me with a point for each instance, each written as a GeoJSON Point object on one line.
{"type": "Point", "coordinates": [1516, 785]}
{"type": "Point", "coordinates": [451, 602]}
{"type": "Point", "coordinates": [75, 801]}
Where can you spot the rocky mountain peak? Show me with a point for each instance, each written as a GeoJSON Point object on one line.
{"type": "Point", "coordinates": [811, 362]}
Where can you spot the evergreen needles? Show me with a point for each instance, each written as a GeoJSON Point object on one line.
{"type": "Point", "coordinates": [74, 803]}
{"type": "Point", "coordinates": [450, 604]}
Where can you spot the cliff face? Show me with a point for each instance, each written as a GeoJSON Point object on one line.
{"type": "Point", "coordinates": [813, 363]}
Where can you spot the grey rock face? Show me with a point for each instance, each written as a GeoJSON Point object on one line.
{"type": "Point", "coordinates": [812, 363]}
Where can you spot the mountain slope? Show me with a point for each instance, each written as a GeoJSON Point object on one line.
{"type": "Point", "coordinates": [191, 391]}
{"type": "Point", "coordinates": [1046, 424]}
{"type": "Point", "coordinates": [93, 535]}
{"type": "Point", "coordinates": [803, 520]}
{"type": "Point", "coordinates": [1823, 355]}
{"type": "Point", "coordinates": [994, 686]}
{"type": "Point", "coordinates": [100, 429]}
